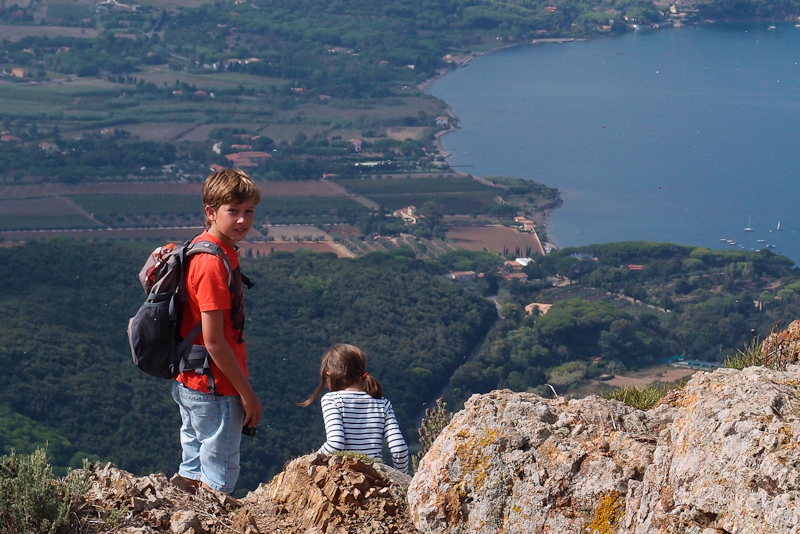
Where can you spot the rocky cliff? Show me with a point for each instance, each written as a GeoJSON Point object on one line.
{"type": "Point", "coordinates": [720, 455]}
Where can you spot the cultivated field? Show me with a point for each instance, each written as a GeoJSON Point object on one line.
{"type": "Point", "coordinates": [268, 189]}
{"type": "Point", "coordinates": [15, 33]}
{"type": "Point", "coordinates": [289, 231]}
{"type": "Point", "coordinates": [80, 102]}
{"type": "Point", "coordinates": [267, 247]}
{"type": "Point", "coordinates": [28, 207]}
{"type": "Point", "coordinates": [409, 132]}
{"type": "Point", "coordinates": [169, 131]}
{"type": "Point", "coordinates": [102, 234]}
{"type": "Point", "coordinates": [497, 238]}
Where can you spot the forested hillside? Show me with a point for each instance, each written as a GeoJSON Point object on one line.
{"type": "Point", "coordinates": [67, 366]}
{"type": "Point", "coordinates": [621, 307]}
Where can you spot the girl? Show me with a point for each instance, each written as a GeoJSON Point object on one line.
{"type": "Point", "coordinates": [356, 415]}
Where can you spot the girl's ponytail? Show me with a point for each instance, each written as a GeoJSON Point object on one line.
{"type": "Point", "coordinates": [314, 395]}
{"type": "Point", "coordinates": [371, 386]}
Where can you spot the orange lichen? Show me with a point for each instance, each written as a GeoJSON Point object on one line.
{"type": "Point", "coordinates": [607, 514]}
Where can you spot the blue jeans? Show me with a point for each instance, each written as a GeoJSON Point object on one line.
{"type": "Point", "coordinates": [211, 433]}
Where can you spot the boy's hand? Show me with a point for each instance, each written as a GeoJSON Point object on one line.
{"type": "Point", "coordinates": [252, 409]}
{"type": "Point", "coordinates": [222, 354]}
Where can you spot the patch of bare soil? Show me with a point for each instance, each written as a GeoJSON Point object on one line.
{"type": "Point", "coordinates": [663, 374]}
{"type": "Point", "coordinates": [290, 231]}
{"type": "Point", "coordinates": [401, 134]}
{"type": "Point", "coordinates": [495, 238]}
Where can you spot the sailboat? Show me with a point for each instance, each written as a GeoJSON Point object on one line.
{"type": "Point", "coordinates": [779, 226]}
{"type": "Point", "coordinates": [749, 228]}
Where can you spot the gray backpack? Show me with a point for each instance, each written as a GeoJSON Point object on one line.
{"type": "Point", "coordinates": [156, 345]}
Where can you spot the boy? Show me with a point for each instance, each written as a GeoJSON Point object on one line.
{"type": "Point", "coordinates": [212, 421]}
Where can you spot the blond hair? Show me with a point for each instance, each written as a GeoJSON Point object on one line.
{"type": "Point", "coordinates": [229, 186]}
{"type": "Point", "coordinates": [342, 366]}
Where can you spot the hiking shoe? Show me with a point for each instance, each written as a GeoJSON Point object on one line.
{"type": "Point", "coordinates": [186, 484]}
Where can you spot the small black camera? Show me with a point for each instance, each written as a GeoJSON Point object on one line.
{"type": "Point", "coordinates": [249, 431]}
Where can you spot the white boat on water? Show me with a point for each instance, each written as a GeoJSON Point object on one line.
{"type": "Point", "coordinates": [779, 226]}
{"type": "Point", "coordinates": [759, 240]}
{"type": "Point", "coordinates": [749, 228]}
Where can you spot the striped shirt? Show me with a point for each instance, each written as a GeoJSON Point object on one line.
{"type": "Point", "coordinates": [355, 421]}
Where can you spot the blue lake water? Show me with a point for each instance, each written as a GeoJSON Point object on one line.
{"type": "Point", "coordinates": [685, 135]}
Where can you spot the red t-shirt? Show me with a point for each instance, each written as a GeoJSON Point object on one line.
{"type": "Point", "coordinates": [207, 290]}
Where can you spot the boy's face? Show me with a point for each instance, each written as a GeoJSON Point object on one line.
{"type": "Point", "coordinates": [231, 222]}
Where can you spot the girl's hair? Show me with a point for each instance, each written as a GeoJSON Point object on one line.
{"type": "Point", "coordinates": [343, 366]}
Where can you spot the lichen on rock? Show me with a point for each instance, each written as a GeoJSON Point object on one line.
{"type": "Point", "coordinates": [721, 454]}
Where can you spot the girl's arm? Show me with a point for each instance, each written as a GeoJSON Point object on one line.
{"type": "Point", "coordinates": [394, 439]}
{"type": "Point", "coordinates": [334, 426]}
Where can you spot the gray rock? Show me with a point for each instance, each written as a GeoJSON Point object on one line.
{"type": "Point", "coordinates": [721, 454]}
{"type": "Point", "coordinates": [185, 521]}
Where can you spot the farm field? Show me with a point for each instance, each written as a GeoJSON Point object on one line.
{"type": "Point", "coordinates": [102, 234]}
{"type": "Point", "coordinates": [289, 231]}
{"type": "Point", "coordinates": [413, 186]}
{"type": "Point", "coordinates": [86, 104]}
{"type": "Point", "coordinates": [39, 207]}
{"type": "Point", "coordinates": [495, 238]}
{"type": "Point", "coordinates": [268, 189]}
{"type": "Point", "coordinates": [289, 215]}
{"type": "Point", "coordinates": [451, 203]}
{"type": "Point", "coordinates": [171, 131]}
{"type": "Point", "coordinates": [408, 132]}
{"type": "Point", "coordinates": [15, 33]}
{"type": "Point", "coordinates": [27, 207]}
{"type": "Point", "coordinates": [263, 248]}
{"type": "Point", "coordinates": [287, 238]}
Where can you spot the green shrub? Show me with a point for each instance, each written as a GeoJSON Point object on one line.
{"type": "Point", "coordinates": [356, 455]}
{"type": "Point", "coordinates": [641, 398]}
{"type": "Point", "coordinates": [435, 420]}
{"type": "Point", "coordinates": [32, 501]}
{"type": "Point", "coordinates": [751, 355]}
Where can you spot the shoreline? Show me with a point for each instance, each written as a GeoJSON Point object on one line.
{"type": "Point", "coordinates": [539, 217]}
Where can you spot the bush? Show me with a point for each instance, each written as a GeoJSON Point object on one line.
{"type": "Point", "coordinates": [751, 355]}
{"type": "Point", "coordinates": [642, 398]}
{"type": "Point", "coordinates": [32, 501]}
{"type": "Point", "coordinates": [436, 419]}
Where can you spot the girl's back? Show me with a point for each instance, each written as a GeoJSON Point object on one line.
{"type": "Point", "coordinates": [356, 415]}
{"type": "Point", "coordinates": [358, 422]}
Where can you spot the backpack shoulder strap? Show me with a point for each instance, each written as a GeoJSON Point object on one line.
{"type": "Point", "coordinates": [208, 247]}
